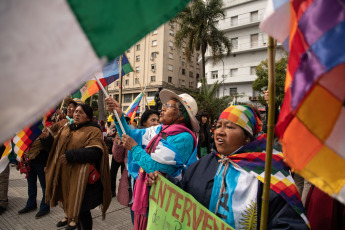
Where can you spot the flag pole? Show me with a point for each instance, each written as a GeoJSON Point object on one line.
{"type": "Point", "coordinates": [120, 79]}
{"type": "Point", "coordinates": [136, 75]}
{"type": "Point", "coordinates": [270, 134]}
{"type": "Point", "coordinates": [106, 96]}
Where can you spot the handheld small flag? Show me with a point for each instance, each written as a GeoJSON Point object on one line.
{"type": "Point", "coordinates": [109, 74]}
{"type": "Point", "coordinates": [132, 109]}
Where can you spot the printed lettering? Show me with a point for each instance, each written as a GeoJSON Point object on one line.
{"type": "Point", "coordinates": [172, 191]}
{"type": "Point", "coordinates": [196, 222]}
{"type": "Point", "coordinates": [186, 210]}
{"type": "Point", "coordinates": [177, 205]}
{"type": "Point", "coordinates": [161, 194]}
{"type": "Point", "coordinates": [205, 224]}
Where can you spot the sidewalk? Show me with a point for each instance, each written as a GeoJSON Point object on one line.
{"type": "Point", "coordinates": [118, 216]}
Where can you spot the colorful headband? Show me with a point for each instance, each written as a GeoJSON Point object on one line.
{"type": "Point", "coordinates": [243, 116]}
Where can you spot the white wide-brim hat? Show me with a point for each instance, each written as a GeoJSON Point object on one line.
{"type": "Point", "coordinates": [187, 101]}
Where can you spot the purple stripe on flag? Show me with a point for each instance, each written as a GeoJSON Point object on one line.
{"type": "Point", "coordinates": [308, 72]}
{"type": "Point", "coordinates": [330, 48]}
{"type": "Point", "coordinates": [320, 17]}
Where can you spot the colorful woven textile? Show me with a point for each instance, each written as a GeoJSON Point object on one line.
{"type": "Point", "coordinates": [251, 158]}
{"type": "Point", "coordinates": [22, 140]}
{"type": "Point", "coordinates": [243, 116]}
{"type": "Point", "coordinates": [312, 119]}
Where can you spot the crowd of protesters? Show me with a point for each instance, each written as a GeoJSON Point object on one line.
{"type": "Point", "coordinates": [71, 160]}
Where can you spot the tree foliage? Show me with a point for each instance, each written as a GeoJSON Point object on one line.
{"type": "Point", "coordinates": [207, 101]}
{"type": "Point", "coordinates": [261, 83]}
{"type": "Point", "coordinates": [198, 30]}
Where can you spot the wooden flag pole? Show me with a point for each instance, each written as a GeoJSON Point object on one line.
{"type": "Point", "coordinates": [136, 75]}
{"type": "Point", "coordinates": [106, 96]}
{"type": "Point", "coordinates": [120, 79]}
{"type": "Point", "coordinates": [270, 134]}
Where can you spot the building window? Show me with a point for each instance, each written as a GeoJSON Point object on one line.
{"type": "Point", "coordinates": [128, 50]}
{"type": "Point", "coordinates": [197, 76]}
{"type": "Point", "coordinates": [171, 45]}
{"type": "Point", "coordinates": [153, 55]}
{"type": "Point", "coordinates": [171, 56]}
{"type": "Point", "coordinates": [234, 21]}
{"type": "Point", "coordinates": [234, 43]}
{"type": "Point", "coordinates": [172, 25]}
{"type": "Point", "coordinates": [233, 72]}
{"type": "Point", "coordinates": [116, 97]}
{"type": "Point", "coordinates": [153, 67]}
{"type": "Point", "coordinates": [170, 79]}
{"type": "Point", "coordinates": [137, 69]}
{"type": "Point", "coordinates": [151, 94]}
{"type": "Point", "coordinates": [154, 43]}
{"type": "Point", "coordinates": [138, 47]}
{"type": "Point", "coordinates": [137, 58]}
{"type": "Point", "coordinates": [254, 16]}
{"type": "Point", "coordinates": [254, 40]}
{"type": "Point", "coordinates": [183, 50]}
{"type": "Point", "coordinates": [183, 71]}
{"type": "Point", "coordinates": [182, 82]}
{"type": "Point", "coordinates": [183, 63]}
{"type": "Point", "coordinates": [136, 80]}
{"type": "Point", "coordinates": [197, 59]}
{"type": "Point", "coordinates": [117, 83]}
{"type": "Point", "coordinates": [214, 74]}
{"type": "Point", "coordinates": [252, 70]}
{"type": "Point", "coordinates": [127, 98]}
{"type": "Point", "coordinates": [135, 95]}
{"type": "Point", "coordinates": [190, 74]}
{"type": "Point", "coordinates": [233, 91]}
{"type": "Point", "coordinates": [154, 32]}
{"type": "Point", "coordinates": [171, 32]}
{"type": "Point", "coordinates": [170, 67]}
{"type": "Point", "coordinates": [127, 82]}
{"type": "Point", "coordinates": [153, 78]}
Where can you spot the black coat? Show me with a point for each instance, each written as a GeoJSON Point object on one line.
{"type": "Point", "coordinates": [280, 214]}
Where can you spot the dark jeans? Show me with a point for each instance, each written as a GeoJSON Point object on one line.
{"type": "Point", "coordinates": [113, 172]}
{"type": "Point", "coordinates": [85, 220]}
{"type": "Point", "coordinates": [36, 170]}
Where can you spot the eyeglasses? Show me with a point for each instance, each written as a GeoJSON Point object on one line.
{"type": "Point", "coordinates": [169, 106]}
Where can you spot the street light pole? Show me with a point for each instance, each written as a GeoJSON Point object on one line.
{"type": "Point", "coordinates": [223, 76]}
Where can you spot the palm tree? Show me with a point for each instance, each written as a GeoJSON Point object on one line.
{"type": "Point", "coordinates": [198, 28]}
{"type": "Point", "coordinates": [206, 100]}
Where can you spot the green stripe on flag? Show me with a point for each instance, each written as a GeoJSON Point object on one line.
{"type": "Point", "coordinates": [77, 94]}
{"type": "Point", "coordinates": [114, 26]}
{"type": "Point", "coordinates": [127, 68]}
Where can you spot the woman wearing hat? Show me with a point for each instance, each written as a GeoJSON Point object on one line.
{"type": "Point", "coordinates": [77, 149]}
{"type": "Point", "coordinates": [168, 148]}
{"type": "Point", "coordinates": [229, 182]}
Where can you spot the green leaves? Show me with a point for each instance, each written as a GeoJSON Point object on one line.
{"type": "Point", "coordinates": [261, 83]}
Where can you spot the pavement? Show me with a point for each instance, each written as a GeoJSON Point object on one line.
{"type": "Point", "coordinates": [118, 216]}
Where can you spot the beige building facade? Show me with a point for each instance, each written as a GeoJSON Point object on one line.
{"type": "Point", "coordinates": [157, 63]}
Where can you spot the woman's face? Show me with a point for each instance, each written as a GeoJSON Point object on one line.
{"type": "Point", "coordinates": [151, 121]}
{"type": "Point", "coordinates": [70, 110]}
{"type": "Point", "coordinates": [79, 116]}
{"type": "Point", "coordinates": [169, 113]}
{"type": "Point", "coordinates": [228, 137]}
{"type": "Point", "coordinates": [203, 119]}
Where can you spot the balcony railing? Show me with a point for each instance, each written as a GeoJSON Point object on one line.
{"type": "Point", "coordinates": [227, 23]}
